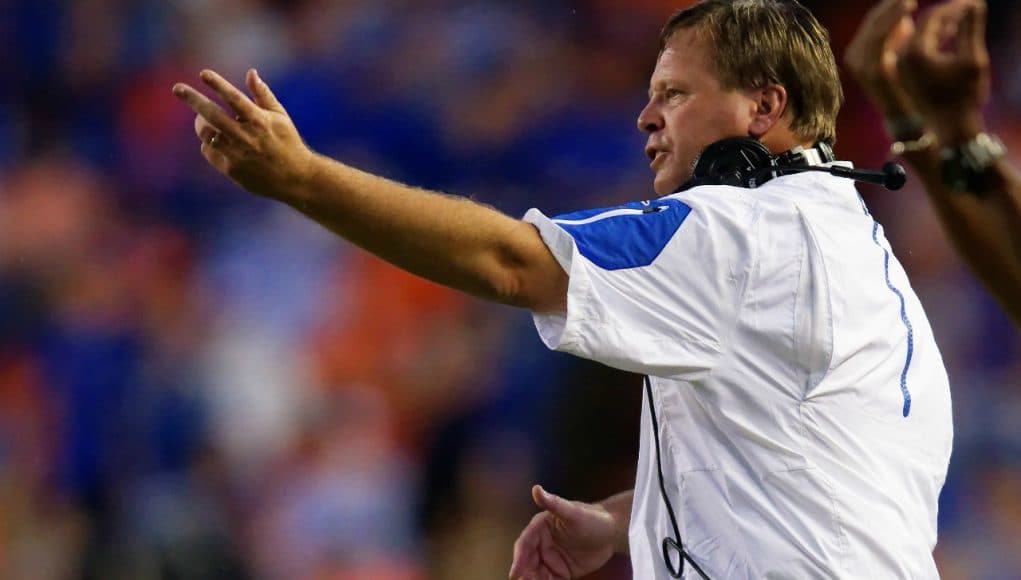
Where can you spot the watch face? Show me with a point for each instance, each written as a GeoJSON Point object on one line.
{"type": "Point", "coordinates": [966, 168]}
{"type": "Point", "coordinates": [982, 151]}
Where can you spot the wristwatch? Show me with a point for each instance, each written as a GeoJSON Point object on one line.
{"type": "Point", "coordinates": [965, 168]}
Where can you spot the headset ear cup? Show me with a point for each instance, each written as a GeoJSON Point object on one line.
{"type": "Point", "coordinates": [745, 162]}
{"type": "Point", "coordinates": [732, 161]}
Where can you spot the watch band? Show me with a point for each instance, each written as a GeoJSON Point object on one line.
{"type": "Point", "coordinates": [926, 141]}
{"type": "Point", "coordinates": [909, 134]}
{"type": "Point", "coordinates": [905, 127]}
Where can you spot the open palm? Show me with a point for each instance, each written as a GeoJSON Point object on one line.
{"type": "Point", "coordinates": [567, 540]}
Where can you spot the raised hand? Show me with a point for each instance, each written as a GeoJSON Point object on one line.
{"type": "Point", "coordinates": [258, 145]}
{"type": "Point", "coordinates": [568, 539]}
{"type": "Point", "coordinates": [945, 69]}
{"type": "Point", "coordinates": [872, 56]}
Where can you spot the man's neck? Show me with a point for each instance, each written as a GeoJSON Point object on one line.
{"type": "Point", "coordinates": [780, 142]}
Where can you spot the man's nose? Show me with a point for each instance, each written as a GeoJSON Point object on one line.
{"type": "Point", "coordinates": [649, 120]}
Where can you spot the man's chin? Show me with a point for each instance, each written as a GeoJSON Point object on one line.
{"type": "Point", "coordinates": [666, 184]}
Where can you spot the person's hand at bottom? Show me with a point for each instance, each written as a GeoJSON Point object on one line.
{"type": "Point", "coordinates": [568, 539]}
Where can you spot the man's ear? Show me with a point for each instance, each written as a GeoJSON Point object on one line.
{"type": "Point", "coordinates": [770, 104]}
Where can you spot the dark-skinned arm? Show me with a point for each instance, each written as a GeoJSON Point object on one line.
{"type": "Point", "coordinates": [939, 76]}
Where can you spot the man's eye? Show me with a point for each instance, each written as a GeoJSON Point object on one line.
{"type": "Point", "coordinates": [674, 93]}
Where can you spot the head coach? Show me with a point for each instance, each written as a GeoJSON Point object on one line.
{"type": "Point", "coordinates": [796, 421]}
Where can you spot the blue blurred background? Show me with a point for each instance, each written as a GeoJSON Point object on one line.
{"type": "Point", "coordinates": [195, 383]}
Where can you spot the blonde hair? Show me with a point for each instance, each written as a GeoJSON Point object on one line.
{"type": "Point", "coordinates": [754, 43]}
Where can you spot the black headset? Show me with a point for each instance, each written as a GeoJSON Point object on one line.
{"type": "Point", "coordinates": [745, 162]}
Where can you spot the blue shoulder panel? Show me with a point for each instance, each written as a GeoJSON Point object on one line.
{"type": "Point", "coordinates": [627, 236]}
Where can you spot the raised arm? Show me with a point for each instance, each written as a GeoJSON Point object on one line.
{"type": "Point", "coordinates": [945, 72]}
{"type": "Point", "coordinates": [446, 239]}
{"type": "Point", "coordinates": [931, 84]}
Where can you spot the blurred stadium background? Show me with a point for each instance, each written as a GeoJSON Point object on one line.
{"type": "Point", "coordinates": [196, 384]}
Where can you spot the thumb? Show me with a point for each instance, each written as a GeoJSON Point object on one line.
{"type": "Point", "coordinates": [264, 97]}
{"type": "Point", "coordinates": [558, 506]}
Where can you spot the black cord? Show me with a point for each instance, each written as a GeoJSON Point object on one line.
{"type": "Point", "coordinates": [675, 543]}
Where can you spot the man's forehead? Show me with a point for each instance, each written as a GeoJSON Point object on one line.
{"type": "Point", "coordinates": [683, 51]}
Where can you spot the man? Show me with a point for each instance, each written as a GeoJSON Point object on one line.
{"type": "Point", "coordinates": [799, 414]}
{"type": "Point", "coordinates": [931, 86]}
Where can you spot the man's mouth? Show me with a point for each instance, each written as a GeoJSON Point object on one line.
{"type": "Point", "coordinates": [657, 158]}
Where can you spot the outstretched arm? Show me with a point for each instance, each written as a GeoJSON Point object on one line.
{"type": "Point", "coordinates": [446, 239]}
{"type": "Point", "coordinates": [931, 84]}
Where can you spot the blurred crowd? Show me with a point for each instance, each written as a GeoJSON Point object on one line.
{"type": "Point", "coordinates": [196, 383]}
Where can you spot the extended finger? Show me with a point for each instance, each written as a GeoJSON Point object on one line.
{"type": "Point", "coordinates": [932, 25]}
{"type": "Point", "coordinates": [881, 22]}
{"type": "Point", "coordinates": [241, 104]}
{"type": "Point", "coordinates": [264, 97]}
{"type": "Point", "coordinates": [206, 108]}
{"type": "Point", "coordinates": [971, 43]}
{"type": "Point", "coordinates": [204, 130]}
{"type": "Point", "coordinates": [525, 564]}
{"type": "Point", "coordinates": [526, 549]}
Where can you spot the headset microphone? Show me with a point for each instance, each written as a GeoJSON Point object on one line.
{"type": "Point", "coordinates": [892, 176]}
{"type": "Point", "coordinates": [745, 162]}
